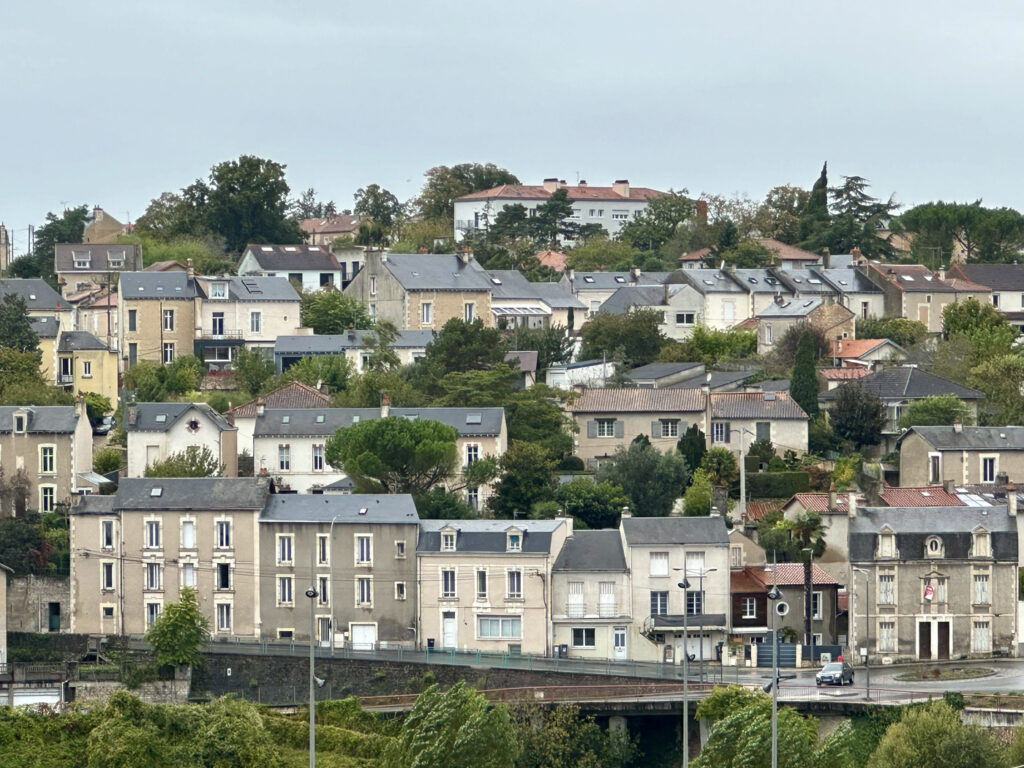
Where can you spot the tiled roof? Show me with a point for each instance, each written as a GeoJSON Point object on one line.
{"type": "Point", "coordinates": [924, 496]}
{"type": "Point", "coordinates": [912, 278]}
{"type": "Point", "coordinates": [790, 575]}
{"type": "Point", "coordinates": [741, 582]}
{"type": "Point", "coordinates": [294, 257]}
{"type": "Point", "coordinates": [538, 192]}
{"type": "Point", "coordinates": [851, 348]}
{"type": "Point", "coordinates": [843, 374]}
{"type": "Point", "coordinates": [611, 400]}
{"type": "Point", "coordinates": [998, 277]}
{"type": "Point", "coordinates": [783, 251]}
{"type": "Point", "coordinates": [819, 502]}
{"type": "Point", "coordinates": [756, 510]}
{"type": "Point", "coordinates": [966, 285]}
{"type": "Point", "coordinates": [170, 265]}
{"type": "Point", "coordinates": [331, 225]}
{"type": "Point", "coordinates": [755, 405]}
{"type": "Point", "coordinates": [908, 382]}
{"type": "Point", "coordinates": [295, 394]}
{"type": "Point", "coordinates": [554, 259]}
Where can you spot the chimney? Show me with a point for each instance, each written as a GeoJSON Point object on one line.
{"type": "Point", "coordinates": [832, 499]}
{"type": "Point", "coordinates": [80, 408]}
{"type": "Point", "coordinates": [550, 185]}
{"type": "Point", "coordinates": [634, 274]}
{"type": "Point", "coordinates": [702, 211]}
{"type": "Point", "coordinates": [891, 275]}
{"type": "Point", "coordinates": [1011, 498]}
{"type": "Point", "coordinates": [465, 256]}
{"type": "Point", "coordinates": [190, 271]}
{"type": "Point", "coordinates": [826, 258]}
{"type": "Point", "coordinates": [621, 187]}
{"type": "Point", "coordinates": [778, 299]}
{"type": "Point", "coordinates": [852, 504]}
{"type": "Point", "coordinates": [958, 426]}
{"type": "Point", "coordinates": [858, 257]}
{"type": "Point", "coordinates": [132, 414]}
{"type": "Point", "coordinates": [385, 405]}
{"type": "Point", "coordinates": [626, 513]}
{"type": "Point", "coordinates": [568, 523]}
{"type": "Point", "coordinates": [261, 406]}
{"type": "Point", "coordinates": [942, 273]}
{"type": "Point", "coordinates": [582, 183]}
{"type": "Point", "coordinates": [351, 334]}
{"type": "Point", "coordinates": [570, 274]}
{"type": "Point", "coordinates": [1002, 480]}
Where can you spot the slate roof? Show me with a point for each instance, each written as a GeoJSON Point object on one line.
{"type": "Point", "coordinates": [437, 272]}
{"type": "Point", "coordinates": [157, 285]}
{"type": "Point", "coordinates": [709, 281]}
{"type": "Point", "coordinates": [913, 526]}
{"type": "Point", "coordinates": [345, 509]}
{"type": "Point", "coordinates": [476, 536]}
{"type": "Point", "coordinates": [42, 419]}
{"type": "Point", "coordinates": [556, 296]}
{"type": "Point", "coordinates": [525, 360]}
{"type": "Point", "coordinates": [654, 371]}
{"type": "Point", "coordinates": [675, 530]}
{"type": "Point", "coordinates": [915, 278]}
{"type": "Point", "coordinates": [201, 493]}
{"type": "Point", "coordinates": [45, 327]}
{"type": "Point", "coordinates": [337, 343]}
{"type": "Point", "coordinates": [576, 193]}
{"type": "Point", "coordinates": [615, 280]}
{"type": "Point", "coordinates": [970, 438]}
{"type": "Point", "coordinates": [624, 299]}
{"type": "Point", "coordinates": [806, 282]}
{"type": "Point", "coordinates": [325, 421]}
{"type": "Point", "coordinates": [846, 280]}
{"type": "Point", "coordinates": [906, 382]}
{"type": "Point", "coordinates": [773, 385]}
{"type": "Point", "coordinates": [790, 308]}
{"type": "Point", "coordinates": [292, 395]}
{"type": "Point", "coordinates": [71, 341]}
{"type": "Point", "coordinates": [512, 284]}
{"type": "Point", "coordinates": [37, 293]}
{"type": "Point", "coordinates": [921, 496]}
{"type": "Point", "coordinates": [64, 256]}
{"type": "Point", "coordinates": [755, 405]}
{"type": "Point", "coordinates": [160, 417]}
{"type": "Point", "coordinates": [252, 288]}
{"type": "Point", "coordinates": [94, 504]}
{"type": "Point", "coordinates": [998, 277]}
{"type": "Point", "coordinates": [633, 400]}
{"type": "Point", "coordinates": [591, 551]}
{"type": "Point", "coordinates": [296, 258]}
{"type": "Point", "coordinates": [719, 379]}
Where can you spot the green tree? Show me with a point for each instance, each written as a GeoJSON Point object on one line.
{"type": "Point", "coordinates": [981, 234]}
{"type": "Point", "coordinates": [309, 206]}
{"type": "Point", "coordinates": [527, 477]}
{"type": "Point", "coordinates": [857, 415]}
{"type": "Point", "coordinates": [476, 389]}
{"type": "Point", "coordinates": [778, 217]}
{"type": "Point", "coordinates": [552, 218]}
{"type": "Point", "coordinates": [146, 381]}
{"type": "Point", "coordinates": [180, 631]}
{"type": "Point", "coordinates": [710, 347]}
{"type": "Point", "coordinates": [899, 330]}
{"type": "Point", "coordinates": [333, 312]}
{"type": "Point", "coordinates": [933, 736]}
{"type": "Point", "coordinates": [107, 460]}
{"type": "Point", "coordinates": [15, 328]}
{"type": "Point", "coordinates": [380, 205]}
{"type": "Point", "coordinates": [1001, 379]}
{"type": "Point", "coordinates": [194, 461]}
{"type": "Point", "coordinates": [970, 316]}
{"type": "Point", "coordinates": [593, 505]}
{"type": "Point", "coordinates": [535, 415]}
{"type": "Point", "coordinates": [426, 236]}
{"type": "Point", "coordinates": [784, 349]}
{"type": "Point", "coordinates": [651, 479]}
{"type": "Point", "coordinates": [748, 253]}
{"type": "Point", "coordinates": [721, 466]}
{"type": "Point", "coordinates": [380, 349]}
{"type": "Point", "coordinates": [692, 445]}
{"type": "Point", "coordinates": [69, 227]}
{"type": "Point", "coordinates": [457, 728]}
{"type": "Point", "coordinates": [601, 253]}
{"type": "Point", "coordinates": [742, 738]}
{"type": "Point", "coordinates": [935, 410]}
{"type": "Point", "coordinates": [440, 504]}
{"type": "Point", "coordinates": [697, 499]}
{"type": "Point", "coordinates": [807, 534]}
{"type": "Point", "coordinates": [814, 217]}
{"type": "Point", "coordinates": [564, 737]}
{"type": "Point", "coordinates": [462, 346]}
{"type": "Point", "coordinates": [664, 216]}
{"type": "Point", "coordinates": [445, 183]}
{"type": "Point", "coordinates": [634, 337]}
{"type": "Point", "coordinates": [552, 344]}
{"type": "Point", "coordinates": [804, 385]}
{"type": "Point", "coordinates": [315, 370]}
{"type": "Point", "coordinates": [394, 455]}
{"type": "Point", "coordinates": [365, 391]}
{"type": "Point", "coordinates": [252, 369]}
{"type": "Point", "coordinates": [19, 370]}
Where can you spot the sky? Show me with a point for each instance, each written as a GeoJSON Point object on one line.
{"type": "Point", "coordinates": [113, 102]}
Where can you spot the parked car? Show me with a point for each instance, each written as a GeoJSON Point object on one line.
{"type": "Point", "coordinates": [104, 427]}
{"type": "Point", "coordinates": [835, 673]}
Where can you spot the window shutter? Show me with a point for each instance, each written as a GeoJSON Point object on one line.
{"type": "Point", "coordinates": [728, 431]}
{"type": "Point", "coordinates": [591, 428]}
{"type": "Point", "coordinates": [655, 429]}
{"type": "Point", "coordinates": [620, 428]}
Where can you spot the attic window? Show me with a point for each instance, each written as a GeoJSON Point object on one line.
{"type": "Point", "coordinates": [193, 425]}
{"type": "Point", "coordinates": [619, 279]}
{"type": "Point", "coordinates": [286, 419]}
{"type": "Point", "coordinates": [473, 418]}
{"type": "Point", "coordinates": [752, 280]}
{"type": "Point", "coordinates": [515, 542]}
{"type": "Point", "coordinates": [218, 291]}
{"type": "Point", "coordinates": [798, 279]}
{"type": "Point", "coordinates": [496, 281]}
{"type": "Point", "coordinates": [19, 422]}
{"type": "Point", "coordinates": [83, 259]}
{"type": "Point", "coordinates": [709, 282]}
{"type": "Point", "coordinates": [319, 418]}
{"type": "Point", "coordinates": [843, 282]}
{"type": "Point", "coordinates": [808, 303]}
{"type": "Point", "coordinates": [814, 280]}
{"type": "Point", "coordinates": [115, 258]}
{"type": "Point", "coordinates": [447, 542]}
{"type": "Point", "coordinates": [771, 280]}
{"type": "Point", "coordinates": [32, 297]}
{"type": "Point", "coordinates": [362, 510]}
{"type": "Point", "coordinates": [161, 418]}
{"type": "Point", "coordinates": [291, 248]}
{"type": "Point", "coordinates": [314, 248]}
{"type": "Point", "coordinates": [933, 547]}
{"type": "Point", "coordinates": [157, 491]}
{"type": "Point", "coordinates": [355, 419]}
{"type": "Point", "coordinates": [266, 249]}
{"type": "Point", "coordinates": [928, 277]}
{"type": "Point", "coordinates": [588, 279]}
{"type": "Point", "coordinates": [908, 278]}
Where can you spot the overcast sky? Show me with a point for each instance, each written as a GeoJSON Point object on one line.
{"type": "Point", "coordinates": [114, 102]}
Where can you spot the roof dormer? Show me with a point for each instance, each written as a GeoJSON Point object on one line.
{"type": "Point", "coordinates": [449, 538]}
{"type": "Point", "coordinates": [981, 542]}
{"type": "Point", "coordinates": [21, 421]}
{"type": "Point", "coordinates": [513, 539]}
{"type": "Point", "coordinates": [886, 543]}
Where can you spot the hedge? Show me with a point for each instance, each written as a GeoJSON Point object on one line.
{"type": "Point", "coordinates": [776, 485]}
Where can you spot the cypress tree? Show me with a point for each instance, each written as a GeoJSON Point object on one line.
{"type": "Point", "coordinates": [803, 385]}
{"type": "Point", "coordinates": [814, 217]}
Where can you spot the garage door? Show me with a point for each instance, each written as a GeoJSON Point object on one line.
{"type": "Point", "coordinates": [363, 636]}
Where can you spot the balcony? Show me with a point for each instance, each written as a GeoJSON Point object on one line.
{"type": "Point", "coordinates": [606, 607]}
{"type": "Point", "coordinates": [211, 335]}
{"type": "Point", "coordinates": [65, 379]}
{"type": "Point", "coordinates": [575, 609]}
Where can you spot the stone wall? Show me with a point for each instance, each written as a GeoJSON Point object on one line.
{"type": "Point", "coordinates": [158, 692]}
{"type": "Point", "coordinates": [28, 599]}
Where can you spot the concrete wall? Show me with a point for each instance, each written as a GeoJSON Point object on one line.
{"type": "Point", "coordinates": [28, 599]}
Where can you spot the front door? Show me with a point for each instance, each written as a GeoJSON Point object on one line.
{"type": "Point", "coordinates": [619, 643]}
{"type": "Point", "coordinates": [943, 639]}
{"type": "Point", "coordinates": [669, 653]}
{"type": "Point", "coordinates": [323, 630]}
{"type": "Point", "coordinates": [54, 614]}
{"type": "Point", "coordinates": [363, 636]}
{"type": "Point", "coordinates": [218, 323]}
{"type": "Point", "coordinates": [448, 630]}
{"type": "Point", "coordinates": [924, 640]}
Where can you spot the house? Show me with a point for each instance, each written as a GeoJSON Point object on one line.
{"type": "Point", "coordinates": [5, 573]}
{"type": "Point", "coordinates": [169, 265]}
{"type": "Point", "coordinates": [921, 496]}
{"type": "Point", "coordinates": [743, 550]}
{"type": "Point", "coordinates": [86, 364]}
{"type": "Point", "coordinates": [291, 396]}
{"type": "Point", "coordinates": [608, 419]}
{"type": "Point", "coordinates": [866, 353]}
{"type": "Point", "coordinates": [680, 307]}
{"type": "Point", "coordinates": [590, 597]}
{"type": "Point", "coordinates": [963, 455]}
{"type": "Point", "coordinates": [98, 316]}
{"type": "Point", "coordinates": [409, 346]}
{"type": "Point", "coordinates": [785, 256]}
{"type": "Point", "coordinates": [44, 449]}
{"type": "Point", "coordinates": [934, 583]}
{"type": "Point", "coordinates": [834, 320]}
{"type": "Point", "coordinates": [525, 362]}
{"type": "Point", "coordinates": [519, 303]}
{"type": "Point", "coordinates": [102, 227]}
{"type": "Point", "coordinates": [248, 312]}
{"type": "Point", "coordinates": [849, 287]}
{"type": "Point", "coordinates": [47, 329]}
{"type": "Point", "coordinates": [609, 207]}
{"type": "Point", "coordinates": [313, 267]}
{"type": "Point", "coordinates": [662, 375]}
{"type": "Point", "coordinates": [156, 431]}
{"type": "Point", "coordinates": [358, 552]}
{"type": "Point", "coordinates": [79, 264]}
{"type": "Point", "coordinates": [595, 288]}
{"type": "Point", "coordinates": [739, 418]}
{"type": "Point", "coordinates": [40, 300]}
{"type": "Point", "coordinates": [727, 298]}
{"type": "Point", "coordinates": [1006, 281]}
{"type": "Point", "coordinates": [660, 552]}
{"type": "Point", "coordinates": [133, 552]}
{"type": "Point", "coordinates": [157, 316]}
{"type": "Point", "coordinates": [423, 291]}
{"type": "Point", "coordinates": [900, 386]}
{"type": "Point", "coordinates": [835, 511]}
{"type": "Point", "coordinates": [582, 373]}
{"type": "Point", "coordinates": [830, 378]}
{"type": "Point", "coordinates": [324, 229]}
{"type": "Point", "coordinates": [555, 260]}
{"type": "Point", "coordinates": [484, 584]}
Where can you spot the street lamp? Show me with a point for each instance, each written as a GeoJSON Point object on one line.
{"type": "Point", "coordinates": [810, 603]}
{"type": "Point", "coordinates": [330, 585]}
{"type": "Point", "coordinates": [685, 585]}
{"type": "Point", "coordinates": [311, 593]}
{"type": "Point", "coordinates": [700, 589]}
{"type": "Point", "coordinates": [773, 595]}
{"type": "Point", "coordinates": [867, 628]}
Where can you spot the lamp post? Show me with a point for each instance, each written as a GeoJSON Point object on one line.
{"type": "Point", "coordinates": [867, 629]}
{"type": "Point", "coordinates": [685, 585]}
{"type": "Point", "coordinates": [810, 556]}
{"type": "Point", "coordinates": [774, 595]}
{"type": "Point", "coordinates": [330, 585]}
{"type": "Point", "coordinates": [311, 593]}
{"type": "Point", "coordinates": [700, 588]}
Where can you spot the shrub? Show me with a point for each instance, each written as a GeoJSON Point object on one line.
{"type": "Point", "coordinates": [571, 464]}
{"type": "Point", "coordinates": [777, 485]}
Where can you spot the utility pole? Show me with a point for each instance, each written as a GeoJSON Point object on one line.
{"type": "Point", "coordinates": [685, 585]}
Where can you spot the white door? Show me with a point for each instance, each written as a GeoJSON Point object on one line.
{"type": "Point", "coordinates": [619, 643]}
{"type": "Point", "coordinates": [363, 636]}
{"type": "Point", "coordinates": [448, 631]}
{"type": "Point", "coordinates": [323, 630]}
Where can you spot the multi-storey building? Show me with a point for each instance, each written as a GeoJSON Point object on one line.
{"type": "Point", "coordinates": [40, 300]}
{"type": "Point", "coordinates": [80, 264]}
{"type": "Point", "coordinates": [155, 431]}
{"type": "Point", "coordinates": [961, 455]}
{"type": "Point", "coordinates": [86, 364]}
{"type": "Point", "coordinates": [157, 314]}
{"type": "Point", "coordinates": [313, 267]}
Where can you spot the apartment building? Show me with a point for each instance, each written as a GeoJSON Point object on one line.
{"type": "Point", "coordinates": [155, 431]}
{"type": "Point", "coordinates": [79, 265]}
{"type": "Point", "coordinates": [313, 267]}
{"type": "Point", "coordinates": [157, 314]}
{"type": "Point", "coordinates": [961, 455]}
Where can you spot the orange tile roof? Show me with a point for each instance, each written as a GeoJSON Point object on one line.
{"type": "Point", "coordinates": [341, 223]}
{"type": "Point", "coordinates": [538, 192]}
{"type": "Point", "coordinates": [554, 259]}
{"type": "Point", "coordinates": [292, 395]}
{"type": "Point", "coordinates": [819, 502]}
{"type": "Point", "coordinates": [848, 348]}
{"type": "Point", "coordinates": [741, 581]}
{"type": "Point", "coordinates": [843, 374]}
{"type": "Point", "coordinates": [921, 496]}
{"type": "Point", "coordinates": [756, 510]}
{"type": "Point", "coordinates": [783, 251]}
{"type": "Point", "coordinates": [611, 400]}
{"type": "Point", "coordinates": [791, 575]}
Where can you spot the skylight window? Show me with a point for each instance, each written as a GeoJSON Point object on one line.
{"type": "Point", "coordinates": [814, 281]}
{"type": "Point", "coordinates": [157, 491]}
{"type": "Point", "coordinates": [709, 282]}
{"type": "Point", "coordinates": [266, 248]}
{"type": "Point", "coordinates": [290, 248]}
{"type": "Point", "coordinates": [798, 279]}
{"type": "Point", "coordinates": [588, 279]}
{"type": "Point", "coordinates": [752, 280]}
{"type": "Point", "coordinates": [161, 418]}
{"type": "Point", "coordinates": [496, 281]}
{"type": "Point", "coordinates": [808, 303]}
{"type": "Point", "coordinates": [286, 419]}
{"type": "Point", "coordinates": [908, 278]}
{"type": "Point", "coordinates": [319, 418]}
{"type": "Point", "coordinates": [843, 282]}
{"type": "Point", "coordinates": [620, 279]}
{"type": "Point", "coordinates": [473, 418]}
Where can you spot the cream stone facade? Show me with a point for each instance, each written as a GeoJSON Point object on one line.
{"type": "Point", "coordinates": [962, 456]}
{"type": "Point", "coordinates": [85, 364]}
{"type": "Point", "coordinates": [99, 317]}
{"type": "Point", "coordinates": [5, 574]}
{"type": "Point", "coordinates": [155, 431]}
{"type": "Point", "coordinates": [157, 314]}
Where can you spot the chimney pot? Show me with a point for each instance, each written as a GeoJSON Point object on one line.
{"type": "Point", "coordinates": [1011, 498]}
{"type": "Point", "coordinates": [621, 187]}
{"type": "Point", "coordinates": [261, 406]}
{"type": "Point", "coordinates": [852, 504]}
{"type": "Point", "coordinates": [550, 184]}
{"type": "Point", "coordinates": [385, 405]}
{"type": "Point", "coordinates": [626, 513]}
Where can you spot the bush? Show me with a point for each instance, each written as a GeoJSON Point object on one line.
{"type": "Point", "coordinates": [571, 464]}
{"type": "Point", "coordinates": [107, 460]}
{"type": "Point", "coordinates": [777, 485]}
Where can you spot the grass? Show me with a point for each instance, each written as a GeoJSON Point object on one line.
{"type": "Point", "coordinates": [924, 673]}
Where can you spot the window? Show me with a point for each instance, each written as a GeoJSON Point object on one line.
{"type": "Point", "coordinates": [152, 613]}
{"type": "Point", "coordinates": [323, 590]}
{"type": "Point", "coordinates": [133, 353]}
{"type": "Point", "coordinates": [606, 427]}
{"type": "Point", "coordinates": [152, 575]}
{"type": "Point", "coordinates": [426, 313]}
{"type": "Point", "coordinates": [982, 546]}
{"type": "Point", "coordinates": [472, 453]}
{"type": "Point", "coordinates": [448, 584]}
{"type": "Point", "coordinates": [364, 551]}
{"type": "Point", "coordinates": [515, 542]}
{"type": "Point", "coordinates": [285, 634]}
{"type": "Point", "coordinates": [188, 574]}
{"type": "Point", "coordinates": [284, 457]}
{"type": "Point", "coordinates": [19, 423]}
{"type": "Point", "coordinates": [152, 534]}
{"type": "Point", "coordinates": [318, 458]}
{"type": "Point", "coordinates": [108, 611]}
{"type": "Point", "coordinates": [887, 636]}
{"type": "Point", "coordinates": [447, 542]}
{"type": "Point", "coordinates": [107, 534]}
{"type": "Point", "coordinates": [82, 259]}
{"type": "Point", "coordinates": [168, 352]}
{"type": "Point", "coordinates": [87, 369]}
{"type": "Point", "coordinates": [684, 318]}
{"type": "Point", "coordinates": [132, 319]}
{"type": "Point", "coordinates": [988, 469]}
{"type": "Point", "coordinates": [934, 468]}
{"type": "Point", "coordinates": [515, 585]}
{"type": "Point", "coordinates": [373, 285]}
{"type": "Point", "coordinates": [323, 549]}
{"type": "Point", "coordinates": [575, 605]}
{"type": "Point", "coordinates": [763, 430]}
{"type": "Point", "coordinates": [107, 576]}
{"type": "Point", "coordinates": [670, 427]}
{"type": "Point", "coordinates": [720, 432]}
{"type": "Point", "coordinates": [933, 547]}
{"type": "Point", "coordinates": [583, 637]}
{"type": "Point", "coordinates": [223, 575]}
{"type": "Point", "coordinates": [618, 215]}
{"type": "Point", "coordinates": [695, 564]}
{"type": "Point", "coordinates": [887, 589]}
{"type": "Point", "coordinates": [605, 599]}
{"type": "Point", "coordinates": [749, 607]}
{"type": "Point", "coordinates": [284, 590]}
{"type": "Point", "coordinates": [473, 496]}
{"type": "Point", "coordinates": [284, 549]}
{"type": "Point", "coordinates": [373, 309]}
{"type": "Point", "coordinates": [168, 319]}
{"type": "Point", "coordinates": [400, 550]}
{"type": "Point", "coordinates": [469, 309]}
{"type": "Point", "coordinates": [218, 324]}
{"type": "Point", "coordinates": [224, 534]}
{"type": "Point", "coordinates": [886, 545]}
{"type": "Point", "coordinates": [115, 259]}
{"type": "Point", "coordinates": [735, 557]}
{"type": "Point", "coordinates": [218, 291]}
{"type": "Point", "coordinates": [816, 600]}
{"type": "Point", "coordinates": [981, 589]}
{"type": "Point", "coordinates": [981, 638]}
{"type": "Point", "coordinates": [659, 563]}
{"type": "Point", "coordinates": [400, 590]}
{"type": "Point", "coordinates": [188, 534]}
{"type": "Point", "coordinates": [223, 617]}
{"type": "Point", "coordinates": [47, 498]}
{"type": "Point", "coordinates": [768, 335]}
{"type": "Point", "coordinates": [500, 627]}
{"type": "Point", "coordinates": [659, 603]}
{"type": "Point", "coordinates": [364, 590]}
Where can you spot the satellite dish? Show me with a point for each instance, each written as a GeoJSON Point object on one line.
{"type": "Point", "coordinates": [782, 608]}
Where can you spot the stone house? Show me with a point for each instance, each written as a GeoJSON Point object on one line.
{"type": "Point", "coordinates": [1006, 281]}
{"type": "Point", "coordinates": [680, 307]}
{"type": "Point", "coordinates": [79, 264]}
{"type": "Point", "coordinates": [313, 267]}
{"type": "Point", "coordinates": [98, 316]}
{"type": "Point", "coordinates": [155, 431]}
{"type": "Point", "coordinates": [787, 256]}
{"type": "Point", "coordinates": [750, 619]}
{"type": "Point", "coordinates": [737, 419]}
{"type": "Point", "coordinates": [833, 320]}
{"type": "Point", "coordinates": [595, 288]}
{"type": "Point", "coordinates": [866, 353]}
{"type": "Point", "coordinates": [324, 229]}
{"type": "Point", "coordinates": [961, 455]}
{"type": "Point", "coordinates": [292, 395]}
{"type": "Point", "coordinates": [157, 315]}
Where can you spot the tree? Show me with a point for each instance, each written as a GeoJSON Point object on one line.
{"type": "Point", "coordinates": [252, 369]}
{"type": "Point", "coordinates": [985, 326]}
{"type": "Point", "coordinates": [980, 234]}
{"type": "Point", "coordinates": [380, 349]}
{"type": "Point", "coordinates": [333, 312]}
{"type": "Point", "coordinates": [651, 479]}
{"type": "Point", "coordinates": [308, 206]}
{"type": "Point", "coordinates": [692, 445]}
{"type": "Point", "coordinates": [634, 337]}
{"type": "Point", "coordinates": [899, 330]}
{"type": "Point", "coordinates": [107, 460]}
{"type": "Point", "coordinates": [804, 385]}
{"type": "Point", "coordinates": [19, 370]}
{"type": "Point", "coordinates": [552, 344]}
{"type": "Point", "coordinates": [656, 224]}
{"type": "Point", "coordinates": [710, 347]}
{"type": "Point", "coordinates": [462, 346]}
{"type": "Point", "coordinates": [857, 416]}
{"type": "Point", "coordinates": [601, 253]}
{"type": "Point", "coordinates": [167, 217]}
{"type": "Point", "coordinates": [440, 504]}
{"type": "Point", "coordinates": [784, 349]}
{"type": "Point", "coordinates": [748, 253]}
{"type": "Point", "coordinates": [394, 455]}
{"type": "Point", "coordinates": [778, 217]}
{"type": "Point", "coordinates": [380, 205]}
{"type": "Point", "coordinates": [15, 328]}
{"type": "Point", "coordinates": [814, 217]}
{"type": "Point", "coordinates": [593, 505]}
{"type": "Point", "coordinates": [180, 631]}
{"type": "Point", "coordinates": [69, 227]}
{"type": "Point", "coordinates": [527, 477]}
{"type": "Point", "coordinates": [535, 415]}
{"type": "Point", "coordinates": [933, 736]}
{"type": "Point", "coordinates": [457, 728]}
{"type": "Point", "coordinates": [194, 461]}
{"type": "Point", "coordinates": [551, 218]}
{"type": "Point", "coordinates": [564, 737]}
{"type": "Point", "coordinates": [1001, 379]}
{"type": "Point", "coordinates": [476, 389]}
{"type": "Point", "coordinates": [444, 184]}
{"type": "Point", "coordinates": [97, 406]}
{"type": "Point", "coordinates": [334, 371]}
{"type": "Point", "coordinates": [721, 466]}
{"type": "Point", "coordinates": [697, 499]}
{"type": "Point", "coordinates": [742, 737]}
{"type": "Point", "coordinates": [807, 534]}
{"type": "Point", "coordinates": [935, 410]}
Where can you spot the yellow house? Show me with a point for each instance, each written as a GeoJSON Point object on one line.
{"type": "Point", "coordinates": [86, 364]}
{"type": "Point", "coordinates": [47, 329]}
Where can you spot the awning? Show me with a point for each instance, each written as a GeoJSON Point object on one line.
{"type": "Point", "coordinates": [672, 622]}
{"type": "Point", "coordinates": [520, 310]}
{"type": "Point", "coordinates": [750, 630]}
{"type": "Point", "coordinates": [94, 478]}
